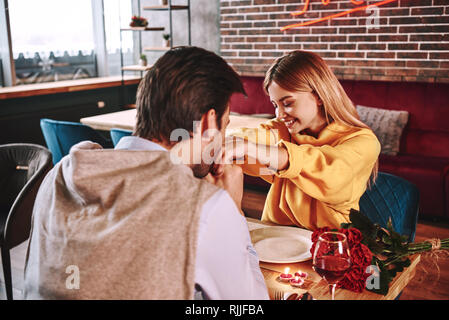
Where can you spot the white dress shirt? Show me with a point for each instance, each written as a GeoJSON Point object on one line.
{"type": "Point", "coordinates": [227, 266]}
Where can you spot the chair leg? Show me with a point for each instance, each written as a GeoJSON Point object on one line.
{"type": "Point", "coordinates": [6, 261]}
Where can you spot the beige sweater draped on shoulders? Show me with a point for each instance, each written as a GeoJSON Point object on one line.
{"type": "Point", "coordinates": [115, 224]}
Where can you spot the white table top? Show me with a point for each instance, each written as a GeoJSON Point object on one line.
{"type": "Point", "coordinates": [127, 119]}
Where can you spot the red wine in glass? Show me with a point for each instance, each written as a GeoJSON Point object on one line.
{"type": "Point", "coordinates": [332, 268]}
{"type": "Point", "coordinates": [331, 258]}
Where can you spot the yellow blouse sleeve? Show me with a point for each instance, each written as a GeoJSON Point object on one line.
{"type": "Point", "coordinates": [327, 173]}
{"type": "Point", "coordinates": [269, 133]}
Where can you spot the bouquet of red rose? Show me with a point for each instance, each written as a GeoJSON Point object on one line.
{"type": "Point", "coordinates": [361, 258]}
{"type": "Point", "coordinates": [383, 249]}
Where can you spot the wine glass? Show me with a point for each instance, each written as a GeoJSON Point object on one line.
{"type": "Point", "coordinates": [331, 258]}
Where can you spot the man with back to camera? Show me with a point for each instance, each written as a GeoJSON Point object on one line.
{"type": "Point", "coordinates": [132, 223]}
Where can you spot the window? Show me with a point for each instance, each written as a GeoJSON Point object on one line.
{"type": "Point", "coordinates": [53, 40]}
{"type": "Point", "coordinates": [117, 14]}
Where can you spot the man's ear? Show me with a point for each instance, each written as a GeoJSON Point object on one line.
{"type": "Point", "coordinates": [209, 124]}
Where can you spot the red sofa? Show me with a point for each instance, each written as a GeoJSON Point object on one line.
{"type": "Point", "coordinates": [424, 151]}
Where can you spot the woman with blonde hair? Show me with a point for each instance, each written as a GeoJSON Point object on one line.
{"type": "Point", "coordinates": [317, 154]}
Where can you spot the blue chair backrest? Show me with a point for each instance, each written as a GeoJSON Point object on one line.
{"type": "Point", "coordinates": [394, 197]}
{"type": "Point", "coordinates": [60, 136]}
{"type": "Point", "coordinates": [117, 134]}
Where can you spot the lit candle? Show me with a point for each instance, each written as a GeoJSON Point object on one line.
{"type": "Point", "coordinates": [286, 276]}
{"type": "Point", "coordinates": [301, 274]}
{"type": "Point", "coordinates": [297, 282]}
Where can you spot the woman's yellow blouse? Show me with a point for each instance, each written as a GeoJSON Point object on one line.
{"type": "Point", "coordinates": [325, 178]}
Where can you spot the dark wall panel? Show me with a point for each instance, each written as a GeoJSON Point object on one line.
{"type": "Point", "coordinates": [20, 117]}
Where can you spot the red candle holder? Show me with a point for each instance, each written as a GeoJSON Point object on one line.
{"type": "Point", "coordinates": [286, 276]}
{"type": "Point", "coordinates": [297, 281]}
{"type": "Point", "coordinates": [301, 274]}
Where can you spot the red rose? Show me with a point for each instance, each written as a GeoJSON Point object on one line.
{"type": "Point", "coordinates": [315, 235]}
{"type": "Point", "coordinates": [318, 232]}
{"type": "Point", "coordinates": [354, 279]}
{"type": "Point", "coordinates": [361, 255]}
{"type": "Point", "coordinates": [353, 236]}
{"type": "Point", "coordinates": [361, 258]}
{"type": "Point", "coordinates": [323, 249]}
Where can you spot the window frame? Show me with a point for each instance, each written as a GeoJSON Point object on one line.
{"type": "Point", "coordinates": [9, 70]}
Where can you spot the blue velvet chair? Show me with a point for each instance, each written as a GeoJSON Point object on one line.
{"type": "Point", "coordinates": [117, 134]}
{"type": "Point", "coordinates": [394, 197]}
{"type": "Point", "coordinates": [60, 136]}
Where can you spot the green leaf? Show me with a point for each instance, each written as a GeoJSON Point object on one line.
{"type": "Point", "coordinates": [375, 248]}
{"type": "Point", "coordinates": [345, 225]}
{"type": "Point", "coordinates": [392, 273]}
{"type": "Point", "coordinates": [363, 223]}
{"type": "Point", "coordinates": [389, 225]}
{"type": "Point", "coordinates": [403, 263]}
{"type": "Point", "coordinates": [386, 239]}
{"type": "Point", "coordinates": [384, 278]}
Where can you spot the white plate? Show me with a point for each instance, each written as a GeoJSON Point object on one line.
{"type": "Point", "coordinates": [282, 244]}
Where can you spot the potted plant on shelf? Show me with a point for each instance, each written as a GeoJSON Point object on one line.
{"type": "Point", "coordinates": [138, 22]}
{"type": "Point", "coordinates": [143, 60]}
{"type": "Point", "coordinates": [166, 41]}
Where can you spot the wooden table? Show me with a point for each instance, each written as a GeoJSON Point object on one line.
{"type": "Point", "coordinates": [318, 287]}
{"type": "Point", "coordinates": [127, 119]}
{"type": "Point", "coordinates": [313, 284]}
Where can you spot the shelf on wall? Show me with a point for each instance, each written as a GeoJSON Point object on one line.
{"type": "Point", "coordinates": [136, 68]}
{"type": "Point", "coordinates": [160, 7]}
{"type": "Point", "coordinates": [156, 48]}
{"type": "Point", "coordinates": [143, 29]}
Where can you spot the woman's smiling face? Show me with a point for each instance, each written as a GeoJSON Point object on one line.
{"type": "Point", "coordinates": [300, 111]}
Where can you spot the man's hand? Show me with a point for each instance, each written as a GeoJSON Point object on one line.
{"type": "Point", "coordinates": [230, 179]}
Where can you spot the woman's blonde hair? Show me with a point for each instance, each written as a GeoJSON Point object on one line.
{"type": "Point", "coordinates": [306, 71]}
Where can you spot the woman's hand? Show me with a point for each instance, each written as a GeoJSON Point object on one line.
{"type": "Point", "coordinates": [237, 149]}
{"type": "Point", "coordinates": [241, 151]}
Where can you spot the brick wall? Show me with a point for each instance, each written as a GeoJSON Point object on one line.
{"type": "Point", "coordinates": [405, 40]}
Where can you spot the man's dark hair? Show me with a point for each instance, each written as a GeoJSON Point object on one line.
{"type": "Point", "coordinates": [184, 84]}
